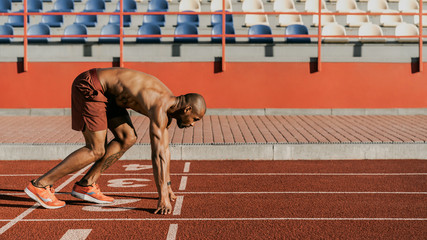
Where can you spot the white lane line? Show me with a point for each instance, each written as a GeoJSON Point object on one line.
{"type": "Point", "coordinates": [76, 234]}
{"type": "Point", "coordinates": [32, 208]}
{"type": "Point", "coordinates": [173, 229]}
{"type": "Point", "coordinates": [187, 167]}
{"type": "Point", "coordinates": [242, 174]}
{"type": "Point", "coordinates": [221, 219]}
{"type": "Point", "coordinates": [178, 205]}
{"type": "Point", "coordinates": [237, 193]}
{"type": "Point", "coordinates": [183, 183]}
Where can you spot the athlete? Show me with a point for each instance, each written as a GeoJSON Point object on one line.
{"type": "Point", "coordinates": [99, 101]}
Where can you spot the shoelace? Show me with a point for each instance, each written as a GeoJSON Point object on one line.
{"type": "Point", "coordinates": [51, 191]}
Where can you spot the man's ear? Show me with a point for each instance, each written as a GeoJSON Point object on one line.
{"type": "Point", "coordinates": [187, 108]}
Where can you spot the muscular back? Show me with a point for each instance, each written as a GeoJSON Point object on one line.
{"type": "Point", "coordinates": [136, 90]}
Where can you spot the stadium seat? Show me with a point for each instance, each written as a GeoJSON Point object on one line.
{"type": "Point", "coordinates": [6, 30]}
{"type": "Point", "coordinates": [95, 6]}
{"type": "Point", "coordinates": [332, 29]}
{"type": "Point", "coordinates": [406, 29]}
{"type": "Point", "coordinates": [217, 18]}
{"type": "Point", "coordinates": [75, 29]}
{"type": "Point", "coordinates": [149, 29]}
{"type": "Point", "coordinates": [256, 19]}
{"type": "Point", "coordinates": [284, 6]}
{"type": "Point", "coordinates": [217, 29]}
{"type": "Point", "coordinates": [390, 20]}
{"type": "Point", "coordinates": [156, 19]}
{"type": "Point", "coordinates": [370, 29]}
{"type": "Point", "coordinates": [38, 29]}
{"type": "Point", "coordinates": [377, 6]}
{"type": "Point", "coordinates": [189, 5]}
{"type": "Point", "coordinates": [260, 30]}
{"type": "Point", "coordinates": [87, 20]}
{"type": "Point", "coordinates": [186, 29]}
{"type": "Point", "coordinates": [128, 6]}
{"type": "Point", "coordinates": [5, 6]}
{"type": "Point", "coordinates": [424, 19]}
{"type": "Point", "coordinates": [410, 6]}
{"type": "Point", "coordinates": [346, 5]}
{"type": "Point", "coordinates": [288, 19]}
{"type": "Point", "coordinates": [187, 18]}
{"type": "Point", "coordinates": [158, 6]}
{"type": "Point", "coordinates": [110, 29]}
{"type": "Point", "coordinates": [34, 6]}
{"type": "Point", "coordinates": [63, 5]}
{"type": "Point", "coordinates": [357, 20]}
{"type": "Point", "coordinates": [253, 6]}
{"type": "Point", "coordinates": [325, 19]}
{"type": "Point", "coordinates": [53, 20]}
{"type": "Point", "coordinates": [115, 19]}
{"type": "Point", "coordinates": [313, 6]}
{"type": "Point", "coordinates": [297, 29]}
{"type": "Point", "coordinates": [216, 5]}
{"type": "Point", "coordinates": [17, 21]}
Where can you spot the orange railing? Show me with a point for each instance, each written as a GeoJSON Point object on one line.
{"type": "Point", "coordinates": [121, 36]}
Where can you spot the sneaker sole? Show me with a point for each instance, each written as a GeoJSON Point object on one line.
{"type": "Point", "coordinates": [88, 198]}
{"type": "Point", "coordinates": [37, 199]}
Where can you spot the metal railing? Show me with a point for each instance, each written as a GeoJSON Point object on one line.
{"type": "Point", "coordinates": [223, 35]}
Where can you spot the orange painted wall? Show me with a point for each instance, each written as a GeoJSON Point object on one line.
{"type": "Point", "coordinates": [243, 85]}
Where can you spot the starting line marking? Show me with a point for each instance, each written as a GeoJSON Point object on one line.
{"type": "Point", "coordinates": [187, 167]}
{"type": "Point", "coordinates": [76, 234]}
{"type": "Point", "coordinates": [173, 229]}
{"type": "Point", "coordinates": [178, 205]}
{"type": "Point", "coordinates": [32, 208]}
{"type": "Point", "coordinates": [183, 183]}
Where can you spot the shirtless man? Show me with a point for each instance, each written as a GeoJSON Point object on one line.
{"type": "Point", "coordinates": [99, 101]}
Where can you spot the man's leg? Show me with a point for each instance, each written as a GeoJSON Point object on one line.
{"type": "Point", "coordinates": [124, 138]}
{"type": "Point", "coordinates": [94, 150]}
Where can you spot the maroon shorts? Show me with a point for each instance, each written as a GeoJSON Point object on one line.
{"type": "Point", "coordinates": [89, 106]}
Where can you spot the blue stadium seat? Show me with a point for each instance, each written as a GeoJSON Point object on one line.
{"type": "Point", "coordinates": [17, 0]}
{"type": "Point", "coordinates": [53, 20]}
{"type": "Point", "coordinates": [17, 21]}
{"type": "Point", "coordinates": [110, 29]}
{"type": "Point", "coordinates": [95, 6]}
{"type": "Point", "coordinates": [34, 6]}
{"type": "Point", "coordinates": [115, 19]}
{"type": "Point", "coordinates": [156, 19]}
{"type": "Point", "coordinates": [149, 29]}
{"type": "Point", "coordinates": [87, 20]}
{"type": "Point", "coordinates": [191, 19]}
{"type": "Point", "coordinates": [217, 18]}
{"type": "Point", "coordinates": [260, 30]}
{"type": "Point", "coordinates": [6, 30]}
{"type": "Point", "coordinates": [217, 29]}
{"type": "Point", "coordinates": [38, 29]}
{"type": "Point", "coordinates": [186, 29]}
{"type": "Point", "coordinates": [158, 6]}
{"type": "Point", "coordinates": [47, 0]}
{"type": "Point", "coordinates": [5, 6]}
{"type": "Point", "coordinates": [63, 5]}
{"type": "Point", "coordinates": [128, 6]}
{"type": "Point", "coordinates": [297, 29]}
{"type": "Point", "coordinates": [75, 29]}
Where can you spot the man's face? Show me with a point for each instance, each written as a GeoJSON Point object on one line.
{"type": "Point", "coordinates": [187, 118]}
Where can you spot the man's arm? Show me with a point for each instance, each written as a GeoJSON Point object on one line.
{"type": "Point", "coordinates": [160, 157]}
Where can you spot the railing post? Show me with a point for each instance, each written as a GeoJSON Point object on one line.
{"type": "Point", "coordinates": [25, 60]}
{"type": "Point", "coordinates": [421, 37]}
{"type": "Point", "coordinates": [319, 38]}
{"type": "Point", "coordinates": [121, 33]}
{"type": "Point", "coordinates": [223, 37]}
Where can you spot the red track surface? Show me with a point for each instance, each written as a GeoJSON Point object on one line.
{"type": "Point", "coordinates": [230, 200]}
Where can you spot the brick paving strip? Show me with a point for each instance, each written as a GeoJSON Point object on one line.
{"type": "Point", "coordinates": [229, 136]}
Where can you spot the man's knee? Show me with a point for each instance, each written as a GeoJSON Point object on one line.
{"type": "Point", "coordinates": [98, 152]}
{"type": "Point", "coordinates": [129, 140]}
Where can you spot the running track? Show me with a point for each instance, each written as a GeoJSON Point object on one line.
{"type": "Point", "coordinates": [352, 199]}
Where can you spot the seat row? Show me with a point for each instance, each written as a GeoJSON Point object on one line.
{"type": "Point", "coordinates": [148, 32]}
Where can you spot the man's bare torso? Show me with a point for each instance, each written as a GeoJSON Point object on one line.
{"type": "Point", "coordinates": [136, 90]}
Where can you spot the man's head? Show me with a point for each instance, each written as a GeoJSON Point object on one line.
{"type": "Point", "coordinates": [192, 107]}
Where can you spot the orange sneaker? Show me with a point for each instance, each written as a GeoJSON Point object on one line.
{"type": "Point", "coordinates": [44, 195]}
{"type": "Point", "coordinates": [91, 193]}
